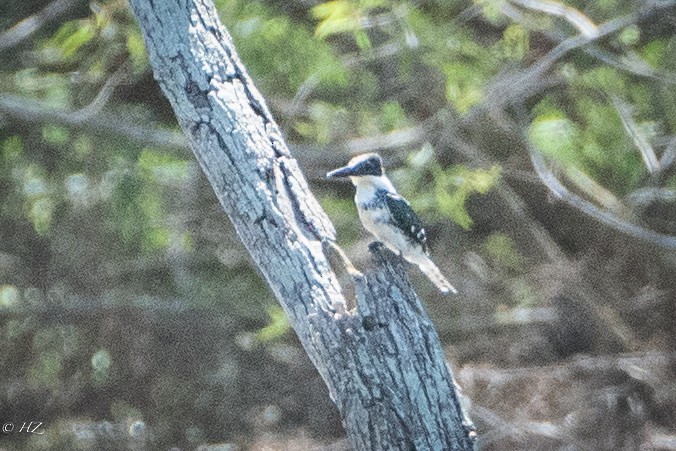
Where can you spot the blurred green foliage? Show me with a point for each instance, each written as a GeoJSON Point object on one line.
{"type": "Point", "coordinates": [444, 191]}
{"type": "Point", "coordinates": [125, 295]}
{"type": "Point", "coordinates": [278, 326]}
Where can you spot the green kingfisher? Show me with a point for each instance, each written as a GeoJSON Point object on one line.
{"type": "Point", "coordinates": [388, 216]}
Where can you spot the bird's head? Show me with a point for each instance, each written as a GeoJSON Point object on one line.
{"type": "Point", "coordinates": [365, 165]}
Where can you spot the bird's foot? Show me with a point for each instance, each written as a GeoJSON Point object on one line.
{"type": "Point", "coordinates": [376, 246]}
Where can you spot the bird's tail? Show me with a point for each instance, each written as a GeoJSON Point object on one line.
{"type": "Point", "coordinates": [432, 272]}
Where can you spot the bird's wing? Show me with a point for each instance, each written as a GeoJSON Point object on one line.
{"type": "Point", "coordinates": [405, 219]}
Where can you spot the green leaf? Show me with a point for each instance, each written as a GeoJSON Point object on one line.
{"type": "Point", "coordinates": [157, 238]}
{"type": "Point", "coordinates": [630, 35]}
{"type": "Point", "coordinates": [337, 16]}
{"type": "Point", "coordinates": [278, 326]}
{"type": "Point", "coordinates": [40, 214]}
{"type": "Point", "coordinates": [463, 88]}
{"type": "Point", "coordinates": [55, 135]}
{"type": "Point", "coordinates": [492, 11]}
{"type": "Point", "coordinates": [515, 42]}
{"type": "Point", "coordinates": [556, 136]}
{"type": "Point", "coordinates": [454, 185]}
{"type": "Point", "coordinates": [362, 39]}
{"type": "Point", "coordinates": [72, 36]}
{"type": "Point", "coordinates": [502, 252]}
{"type": "Point", "coordinates": [137, 50]}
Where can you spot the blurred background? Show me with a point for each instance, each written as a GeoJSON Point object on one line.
{"type": "Point", "coordinates": [535, 138]}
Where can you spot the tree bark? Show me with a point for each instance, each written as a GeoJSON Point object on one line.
{"type": "Point", "coordinates": [382, 362]}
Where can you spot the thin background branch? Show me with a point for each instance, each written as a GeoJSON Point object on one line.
{"type": "Point", "coordinates": [559, 190]}
{"type": "Point", "coordinates": [24, 29]}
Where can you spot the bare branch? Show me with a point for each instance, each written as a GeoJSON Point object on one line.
{"type": "Point", "coordinates": [104, 94]}
{"type": "Point", "coordinates": [529, 81]}
{"type": "Point", "coordinates": [592, 189]}
{"type": "Point", "coordinates": [576, 18]}
{"type": "Point", "coordinates": [669, 154]}
{"type": "Point", "coordinates": [646, 196]}
{"type": "Point", "coordinates": [642, 144]}
{"type": "Point", "coordinates": [407, 137]}
{"type": "Point", "coordinates": [557, 188]}
{"type": "Point", "coordinates": [28, 26]}
{"type": "Point", "coordinates": [524, 83]}
{"type": "Point", "coordinates": [35, 111]}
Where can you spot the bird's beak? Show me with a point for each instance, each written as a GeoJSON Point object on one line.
{"type": "Point", "coordinates": [345, 171]}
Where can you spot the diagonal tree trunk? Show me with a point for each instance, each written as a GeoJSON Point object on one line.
{"type": "Point", "coordinates": [382, 363]}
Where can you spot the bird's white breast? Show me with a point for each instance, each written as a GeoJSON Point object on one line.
{"type": "Point", "coordinates": [377, 220]}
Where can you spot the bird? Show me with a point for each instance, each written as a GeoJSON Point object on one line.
{"type": "Point", "coordinates": [390, 217]}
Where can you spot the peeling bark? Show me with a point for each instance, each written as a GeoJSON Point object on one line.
{"type": "Point", "coordinates": [382, 363]}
